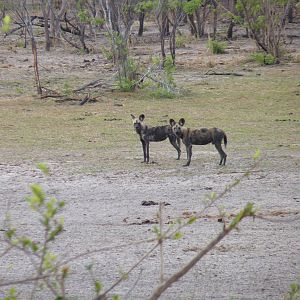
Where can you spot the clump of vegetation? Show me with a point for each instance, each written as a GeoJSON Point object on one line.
{"type": "Point", "coordinates": [216, 47]}
{"type": "Point", "coordinates": [180, 41]}
{"type": "Point", "coordinates": [263, 58]}
{"type": "Point", "coordinates": [266, 20]}
{"type": "Point", "coordinates": [67, 89]}
{"type": "Point", "coordinates": [107, 53]}
{"type": "Point", "coordinates": [294, 293]}
{"type": "Point", "coordinates": [127, 81]}
{"type": "Point", "coordinates": [6, 21]}
{"type": "Point", "coordinates": [164, 82]}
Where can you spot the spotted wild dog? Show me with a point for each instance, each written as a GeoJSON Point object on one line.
{"type": "Point", "coordinates": [154, 134]}
{"type": "Point", "coordinates": [201, 136]}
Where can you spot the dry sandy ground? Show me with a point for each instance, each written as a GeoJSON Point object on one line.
{"type": "Point", "coordinates": [257, 262]}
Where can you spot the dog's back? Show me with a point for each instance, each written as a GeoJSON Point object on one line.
{"type": "Point", "coordinates": [157, 133]}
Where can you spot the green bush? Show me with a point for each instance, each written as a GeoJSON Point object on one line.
{"type": "Point", "coordinates": [125, 85]}
{"type": "Point", "coordinates": [128, 76]}
{"type": "Point", "coordinates": [216, 47]}
{"type": "Point", "coordinates": [180, 41]}
{"type": "Point", "coordinates": [263, 59]}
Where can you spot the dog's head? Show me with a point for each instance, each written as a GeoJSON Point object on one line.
{"type": "Point", "coordinates": [138, 122]}
{"type": "Point", "coordinates": [177, 127]}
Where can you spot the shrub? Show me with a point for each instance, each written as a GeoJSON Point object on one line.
{"type": "Point", "coordinates": [263, 59]}
{"type": "Point", "coordinates": [216, 47]}
{"type": "Point", "coordinates": [126, 82]}
{"type": "Point", "coordinates": [180, 41]}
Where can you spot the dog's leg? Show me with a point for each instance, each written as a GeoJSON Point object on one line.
{"type": "Point", "coordinates": [223, 155]}
{"type": "Point", "coordinates": [174, 140]}
{"type": "Point", "coordinates": [189, 155]}
{"type": "Point", "coordinates": [147, 151]}
{"type": "Point", "coordinates": [144, 150]}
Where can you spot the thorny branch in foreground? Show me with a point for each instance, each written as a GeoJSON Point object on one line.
{"type": "Point", "coordinates": [59, 270]}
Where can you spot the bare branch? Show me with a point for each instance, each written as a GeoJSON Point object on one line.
{"type": "Point", "coordinates": [247, 211]}
{"type": "Point", "coordinates": [103, 296]}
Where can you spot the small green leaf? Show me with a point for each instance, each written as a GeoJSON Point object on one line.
{"type": "Point", "coordinates": [6, 23]}
{"type": "Point", "coordinates": [177, 235]}
{"type": "Point", "coordinates": [10, 233]}
{"type": "Point", "coordinates": [38, 192]}
{"type": "Point", "coordinates": [192, 220]}
{"type": "Point", "coordinates": [43, 168]}
{"type": "Point", "coordinates": [116, 297]}
{"type": "Point", "coordinates": [98, 286]}
{"type": "Point", "coordinates": [156, 230]}
{"type": "Point", "coordinates": [213, 196]}
{"type": "Point", "coordinates": [256, 154]}
{"type": "Point", "coordinates": [12, 294]}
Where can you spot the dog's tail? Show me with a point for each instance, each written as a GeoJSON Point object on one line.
{"type": "Point", "coordinates": [225, 139]}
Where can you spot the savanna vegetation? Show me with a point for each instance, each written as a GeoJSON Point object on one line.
{"type": "Point", "coordinates": [98, 224]}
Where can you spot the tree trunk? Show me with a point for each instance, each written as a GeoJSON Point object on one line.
{"type": "Point", "coordinates": [165, 24]}
{"type": "Point", "coordinates": [215, 20]}
{"type": "Point", "coordinates": [230, 30]}
{"type": "Point", "coordinates": [35, 65]}
{"type": "Point", "coordinates": [192, 24]}
{"type": "Point", "coordinates": [45, 5]}
{"type": "Point", "coordinates": [200, 26]}
{"type": "Point", "coordinates": [141, 22]}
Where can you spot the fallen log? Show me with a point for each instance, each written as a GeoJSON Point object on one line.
{"type": "Point", "coordinates": [211, 72]}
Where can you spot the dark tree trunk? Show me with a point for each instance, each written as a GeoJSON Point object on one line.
{"type": "Point", "coordinates": [230, 30]}
{"type": "Point", "coordinates": [215, 20]}
{"type": "Point", "coordinates": [290, 12]}
{"type": "Point", "coordinates": [46, 13]}
{"type": "Point", "coordinates": [231, 7]}
{"type": "Point", "coordinates": [35, 65]}
{"type": "Point", "coordinates": [192, 24]}
{"type": "Point", "coordinates": [141, 21]}
{"type": "Point", "coordinates": [165, 25]}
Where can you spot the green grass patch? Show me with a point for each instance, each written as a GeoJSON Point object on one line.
{"type": "Point", "coordinates": [263, 58]}
{"type": "Point", "coordinates": [216, 47]}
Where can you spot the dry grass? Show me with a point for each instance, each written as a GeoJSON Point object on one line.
{"type": "Point", "coordinates": [256, 111]}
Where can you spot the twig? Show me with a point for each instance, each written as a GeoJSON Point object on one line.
{"type": "Point", "coordinates": [87, 85]}
{"type": "Point", "coordinates": [161, 242]}
{"type": "Point", "coordinates": [247, 211]}
{"type": "Point", "coordinates": [103, 295]}
{"type": "Point", "coordinates": [212, 72]}
{"type": "Point", "coordinates": [134, 285]}
{"type": "Point", "coordinates": [109, 248]}
{"type": "Point", "coordinates": [85, 99]}
{"type": "Point", "coordinates": [24, 281]}
{"type": "Point", "coordinates": [6, 250]}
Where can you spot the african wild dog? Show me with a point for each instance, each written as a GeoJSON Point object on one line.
{"type": "Point", "coordinates": [154, 134]}
{"type": "Point", "coordinates": [201, 136]}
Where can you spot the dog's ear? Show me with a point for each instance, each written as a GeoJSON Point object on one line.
{"type": "Point", "coordinates": [142, 117]}
{"type": "Point", "coordinates": [181, 122]}
{"type": "Point", "coordinates": [172, 122]}
{"type": "Point", "coordinates": [132, 116]}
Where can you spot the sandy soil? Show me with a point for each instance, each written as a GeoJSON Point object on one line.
{"type": "Point", "coordinates": [257, 262]}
